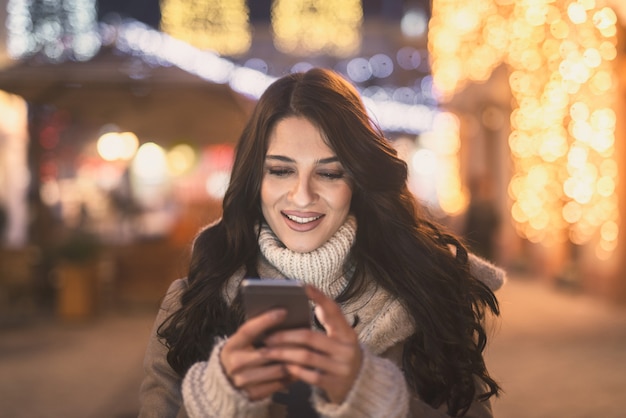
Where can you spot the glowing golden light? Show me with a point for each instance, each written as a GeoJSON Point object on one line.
{"type": "Point", "coordinates": [444, 143]}
{"type": "Point", "coordinates": [181, 159]}
{"type": "Point", "coordinates": [218, 25]}
{"type": "Point", "coordinates": [114, 146]}
{"type": "Point", "coordinates": [305, 27]}
{"type": "Point", "coordinates": [560, 56]}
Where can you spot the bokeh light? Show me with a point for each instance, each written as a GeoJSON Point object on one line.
{"type": "Point", "coordinates": [218, 25]}
{"type": "Point", "coordinates": [114, 146]}
{"type": "Point", "coordinates": [60, 30]}
{"type": "Point", "coordinates": [310, 27]}
{"type": "Point", "coordinates": [150, 163]}
{"type": "Point", "coordinates": [181, 159]}
{"type": "Point", "coordinates": [560, 55]}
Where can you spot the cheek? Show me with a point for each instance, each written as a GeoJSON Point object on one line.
{"type": "Point", "coordinates": [268, 194]}
{"type": "Point", "coordinates": [264, 195]}
{"type": "Point", "coordinates": [344, 198]}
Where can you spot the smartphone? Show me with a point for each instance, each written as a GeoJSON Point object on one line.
{"type": "Point", "coordinates": [260, 295]}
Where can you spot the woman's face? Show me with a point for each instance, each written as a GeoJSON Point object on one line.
{"type": "Point", "coordinates": [305, 192]}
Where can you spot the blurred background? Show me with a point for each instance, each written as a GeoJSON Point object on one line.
{"type": "Point", "coordinates": [118, 121]}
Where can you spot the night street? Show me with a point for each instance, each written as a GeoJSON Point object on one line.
{"type": "Point", "coordinates": [555, 353]}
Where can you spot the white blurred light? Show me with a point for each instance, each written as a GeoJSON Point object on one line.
{"type": "Point", "coordinates": [217, 183]}
{"type": "Point", "coordinates": [257, 64]}
{"type": "Point", "coordinates": [138, 39]}
{"type": "Point", "coordinates": [301, 67]}
{"type": "Point", "coordinates": [404, 95]}
{"type": "Point", "coordinates": [150, 163]}
{"type": "Point", "coordinates": [408, 58]}
{"type": "Point", "coordinates": [359, 70]}
{"type": "Point", "coordinates": [250, 82]}
{"type": "Point", "coordinates": [376, 93]}
{"type": "Point", "coordinates": [381, 66]}
{"type": "Point", "coordinates": [414, 23]}
{"type": "Point", "coordinates": [60, 29]}
{"type": "Point", "coordinates": [114, 146]}
{"type": "Point", "coordinates": [424, 162]}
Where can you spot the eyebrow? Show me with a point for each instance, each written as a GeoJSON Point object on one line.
{"type": "Point", "coordinates": [285, 159]}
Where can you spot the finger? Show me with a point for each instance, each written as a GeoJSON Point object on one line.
{"type": "Point", "coordinates": [330, 315]}
{"type": "Point", "coordinates": [238, 352]}
{"type": "Point", "coordinates": [235, 360]}
{"type": "Point", "coordinates": [311, 376]}
{"type": "Point", "coordinates": [253, 328]}
{"type": "Point", "coordinates": [340, 366]}
{"type": "Point", "coordinates": [313, 340]}
{"type": "Point", "coordinates": [259, 375]}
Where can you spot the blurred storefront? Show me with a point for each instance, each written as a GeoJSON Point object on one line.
{"type": "Point", "coordinates": [110, 165]}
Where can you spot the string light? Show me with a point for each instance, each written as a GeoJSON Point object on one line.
{"type": "Point", "coordinates": [218, 25]}
{"type": "Point", "coordinates": [306, 27]}
{"type": "Point", "coordinates": [60, 29]}
{"type": "Point", "coordinates": [560, 55]}
{"type": "Point", "coordinates": [444, 142]}
{"type": "Point", "coordinates": [138, 39]}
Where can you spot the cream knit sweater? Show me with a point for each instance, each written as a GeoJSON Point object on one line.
{"type": "Point", "coordinates": [383, 324]}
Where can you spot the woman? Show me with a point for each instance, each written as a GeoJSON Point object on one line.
{"type": "Point", "coordinates": [317, 194]}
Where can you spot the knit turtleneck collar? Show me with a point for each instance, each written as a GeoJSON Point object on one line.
{"type": "Point", "coordinates": [322, 267]}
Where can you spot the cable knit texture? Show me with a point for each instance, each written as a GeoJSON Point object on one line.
{"type": "Point", "coordinates": [366, 400]}
{"type": "Point", "coordinates": [382, 324]}
{"type": "Point", "coordinates": [494, 277]}
{"type": "Point", "coordinates": [208, 393]}
{"type": "Point", "coordinates": [321, 267]}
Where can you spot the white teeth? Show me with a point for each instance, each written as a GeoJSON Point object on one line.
{"type": "Point", "coordinates": [302, 220]}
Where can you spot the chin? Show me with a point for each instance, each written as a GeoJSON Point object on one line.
{"type": "Point", "coordinates": [302, 248]}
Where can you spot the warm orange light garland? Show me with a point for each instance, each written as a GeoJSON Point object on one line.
{"type": "Point", "coordinates": [218, 25]}
{"type": "Point", "coordinates": [560, 56]}
{"type": "Point", "coordinates": [309, 27]}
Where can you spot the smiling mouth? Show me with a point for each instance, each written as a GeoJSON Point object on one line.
{"type": "Point", "coordinates": [301, 220]}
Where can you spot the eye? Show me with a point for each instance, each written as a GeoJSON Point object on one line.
{"type": "Point", "coordinates": [332, 175]}
{"type": "Point", "coordinates": [279, 171]}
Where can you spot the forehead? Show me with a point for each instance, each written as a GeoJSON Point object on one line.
{"type": "Point", "coordinates": [297, 134]}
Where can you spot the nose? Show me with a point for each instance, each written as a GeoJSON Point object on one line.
{"type": "Point", "coordinates": [303, 192]}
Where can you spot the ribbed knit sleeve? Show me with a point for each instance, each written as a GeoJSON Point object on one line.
{"type": "Point", "coordinates": [379, 391]}
{"type": "Point", "coordinates": [207, 392]}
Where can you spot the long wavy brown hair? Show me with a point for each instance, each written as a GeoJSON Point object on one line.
{"type": "Point", "coordinates": [396, 245]}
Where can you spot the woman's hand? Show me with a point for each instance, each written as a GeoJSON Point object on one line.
{"type": "Point", "coordinates": [328, 361]}
{"type": "Point", "coordinates": [245, 365]}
